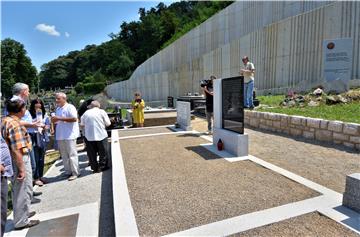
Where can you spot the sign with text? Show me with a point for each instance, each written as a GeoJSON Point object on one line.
{"type": "Point", "coordinates": [233, 104]}
{"type": "Point", "coordinates": [337, 60]}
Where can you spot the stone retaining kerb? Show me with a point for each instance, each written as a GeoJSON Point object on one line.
{"type": "Point", "coordinates": [337, 132]}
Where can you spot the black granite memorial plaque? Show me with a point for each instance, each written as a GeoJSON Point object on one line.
{"type": "Point", "coordinates": [233, 104]}
{"type": "Point", "coordinates": [61, 226]}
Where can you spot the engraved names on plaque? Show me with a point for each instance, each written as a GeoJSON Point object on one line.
{"type": "Point", "coordinates": [233, 104]}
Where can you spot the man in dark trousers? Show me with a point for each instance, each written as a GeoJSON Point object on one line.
{"type": "Point", "coordinates": [94, 121]}
{"type": "Point", "coordinates": [6, 173]}
{"type": "Point", "coordinates": [19, 142]}
{"type": "Point", "coordinates": [209, 95]}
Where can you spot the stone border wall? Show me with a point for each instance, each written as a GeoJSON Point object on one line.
{"type": "Point", "coordinates": [347, 134]}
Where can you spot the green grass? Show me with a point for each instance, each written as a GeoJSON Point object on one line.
{"type": "Point", "coordinates": [50, 159]}
{"type": "Point", "coordinates": [343, 112]}
{"type": "Point", "coordinates": [271, 100]}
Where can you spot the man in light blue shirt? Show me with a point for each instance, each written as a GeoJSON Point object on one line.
{"type": "Point", "coordinates": [21, 91]}
{"type": "Point", "coordinates": [6, 172]}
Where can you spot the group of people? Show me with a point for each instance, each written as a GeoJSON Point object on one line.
{"type": "Point", "coordinates": [18, 161]}
{"type": "Point", "coordinates": [24, 139]}
{"type": "Point", "coordinates": [248, 72]}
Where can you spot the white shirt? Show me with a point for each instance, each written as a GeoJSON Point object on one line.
{"type": "Point", "coordinates": [95, 121]}
{"type": "Point", "coordinates": [249, 76]}
{"type": "Point", "coordinates": [67, 130]}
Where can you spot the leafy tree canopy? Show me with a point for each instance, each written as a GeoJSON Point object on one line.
{"type": "Point", "coordinates": [16, 66]}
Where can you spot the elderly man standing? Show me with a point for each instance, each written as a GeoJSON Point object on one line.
{"type": "Point", "coordinates": [6, 173]}
{"type": "Point", "coordinates": [248, 72]}
{"type": "Point", "coordinates": [95, 121]}
{"type": "Point", "coordinates": [21, 91]}
{"type": "Point", "coordinates": [67, 131]}
{"type": "Point", "coordinates": [20, 146]}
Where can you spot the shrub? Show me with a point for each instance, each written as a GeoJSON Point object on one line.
{"type": "Point", "coordinates": [94, 87]}
{"type": "Point", "coordinates": [79, 87]}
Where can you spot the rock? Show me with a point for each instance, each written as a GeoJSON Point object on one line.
{"type": "Point", "coordinates": [300, 99]}
{"type": "Point", "coordinates": [331, 100]}
{"type": "Point", "coordinates": [291, 103]}
{"type": "Point", "coordinates": [353, 95]}
{"type": "Point", "coordinates": [335, 99]}
{"type": "Point", "coordinates": [313, 104]}
{"type": "Point", "coordinates": [318, 92]}
{"type": "Point", "coordinates": [342, 99]}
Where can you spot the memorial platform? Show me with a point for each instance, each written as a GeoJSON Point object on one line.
{"type": "Point", "coordinates": [178, 187]}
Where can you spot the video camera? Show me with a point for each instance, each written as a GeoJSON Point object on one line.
{"type": "Point", "coordinates": [205, 82]}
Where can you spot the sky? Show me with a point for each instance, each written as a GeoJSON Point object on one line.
{"type": "Point", "coordinates": [51, 29]}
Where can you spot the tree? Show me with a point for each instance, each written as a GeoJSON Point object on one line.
{"type": "Point", "coordinates": [116, 59]}
{"type": "Point", "coordinates": [16, 66]}
{"type": "Point", "coordinates": [56, 73]}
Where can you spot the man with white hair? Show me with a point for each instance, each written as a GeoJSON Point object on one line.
{"type": "Point", "coordinates": [21, 92]}
{"type": "Point", "coordinates": [95, 121]}
{"type": "Point", "coordinates": [67, 131]}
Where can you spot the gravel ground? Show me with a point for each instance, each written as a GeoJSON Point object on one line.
{"type": "Point", "coordinates": [199, 124]}
{"type": "Point", "coordinates": [312, 224]}
{"type": "Point", "coordinates": [325, 165]}
{"type": "Point", "coordinates": [134, 132]}
{"type": "Point", "coordinates": [175, 184]}
{"type": "Point", "coordinates": [317, 161]}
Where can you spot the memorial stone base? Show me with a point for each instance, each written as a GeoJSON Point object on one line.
{"type": "Point", "coordinates": [351, 197]}
{"type": "Point", "coordinates": [234, 143]}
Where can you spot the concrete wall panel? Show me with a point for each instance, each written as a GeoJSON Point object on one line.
{"type": "Point", "coordinates": [282, 39]}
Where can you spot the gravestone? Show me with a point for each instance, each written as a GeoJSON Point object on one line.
{"type": "Point", "coordinates": [337, 61]}
{"type": "Point", "coordinates": [229, 115]}
{"type": "Point", "coordinates": [183, 117]}
{"type": "Point", "coordinates": [170, 101]}
{"type": "Point", "coordinates": [233, 104]}
{"type": "Point", "coordinates": [351, 197]}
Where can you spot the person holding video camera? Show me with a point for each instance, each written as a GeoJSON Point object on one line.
{"type": "Point", "coordinates": [207, 85]}
{"type": "Point", "coordinates": [138, 106]}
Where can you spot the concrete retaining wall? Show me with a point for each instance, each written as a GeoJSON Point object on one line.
{"type": "Point", "coordinates": [347, 134]}
{"type": "Point", "coordinates": [283, 39]}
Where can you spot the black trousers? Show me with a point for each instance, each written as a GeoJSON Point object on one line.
{"type": "Point", "coordinates": [4, 196]}
{"type": "Point", "coordinates": [94, 148]}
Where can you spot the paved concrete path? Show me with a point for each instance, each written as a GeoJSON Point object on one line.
{"type": "Point", "coordinates": [89, 196]}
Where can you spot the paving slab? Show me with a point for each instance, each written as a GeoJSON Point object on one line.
{"type": "Point", "coordinates": [176, 184]}
{"type": "Point", "coordinates": [312, 224]}
{"type": "Point", "coordinates": [60, 194]}
{"type": "Point", "coordinates": [61, 226]}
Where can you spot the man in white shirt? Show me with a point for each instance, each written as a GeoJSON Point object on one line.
{"type": "Point", "coordinates": [248, 72]}
{"type": "Point", "coordinates": [95, 121]}
{"type": "Point", "coordinates": [67, 131]}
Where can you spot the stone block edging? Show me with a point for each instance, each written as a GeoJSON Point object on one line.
{"type": "Point", "coordinates": [337, 132]}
